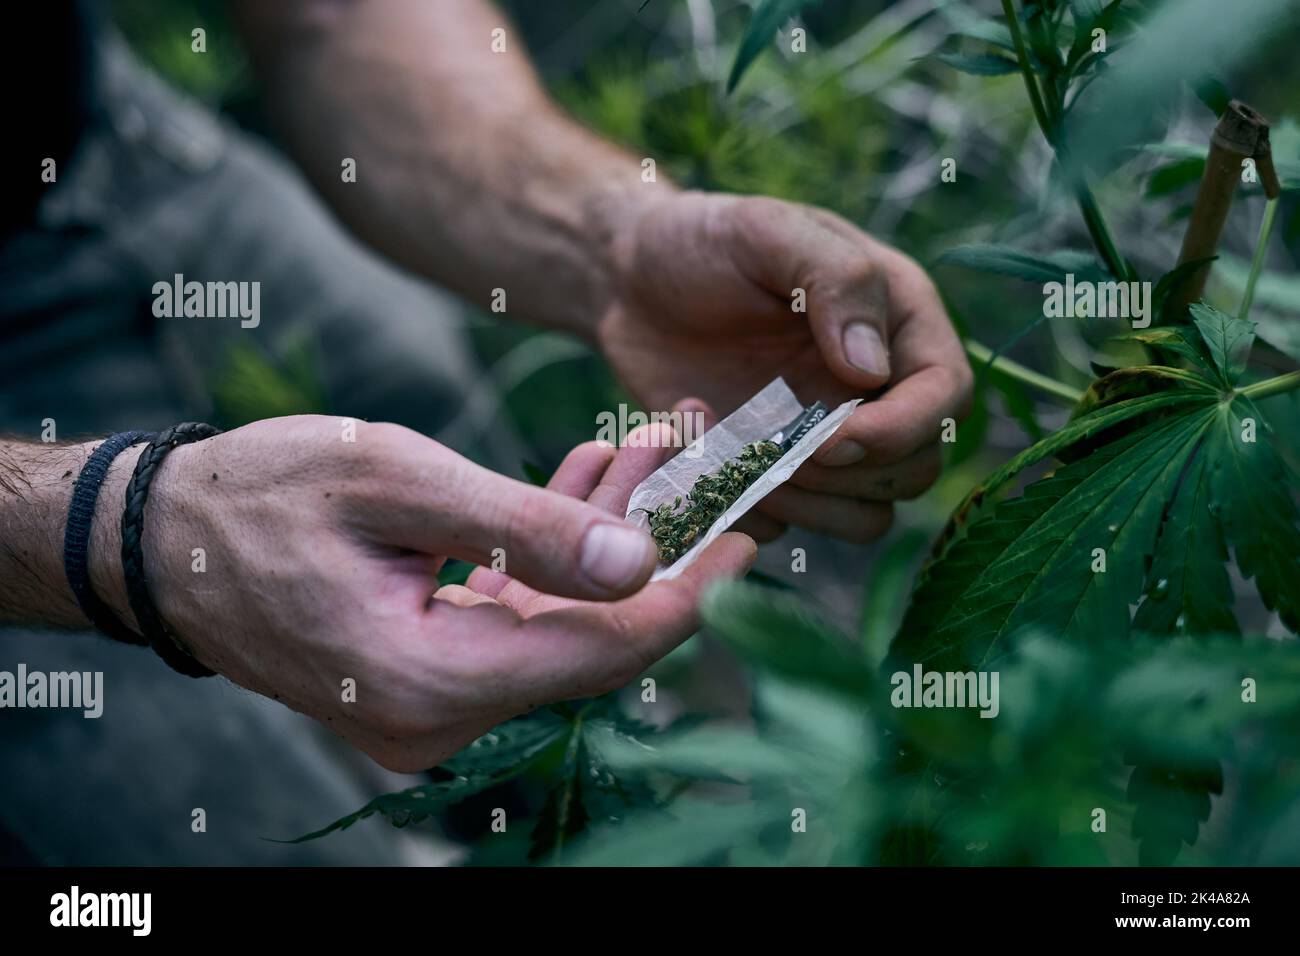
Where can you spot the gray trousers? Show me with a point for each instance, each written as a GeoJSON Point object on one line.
{"type": "Point", "coordinates": [160, 186]}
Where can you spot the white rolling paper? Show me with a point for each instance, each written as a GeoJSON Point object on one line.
{"type": "Point", "coordinates": [757, 420]}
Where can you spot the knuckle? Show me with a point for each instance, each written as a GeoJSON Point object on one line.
{"type": "Point", "coordinates": [386, 446]}
{"type": "Point", "coordinates": [516, 528]}
{"type": "Point", "coordinates": [588, 449]}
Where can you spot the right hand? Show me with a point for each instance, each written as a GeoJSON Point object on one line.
{"type": "Point", "coordinates": [321, 557]}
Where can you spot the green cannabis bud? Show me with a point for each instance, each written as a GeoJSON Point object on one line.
{"type": "Point", "coordinates": [712, 494]}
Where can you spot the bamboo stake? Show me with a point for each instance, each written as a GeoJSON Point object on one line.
{"type": "Point", "coordinates": [1235, 139]}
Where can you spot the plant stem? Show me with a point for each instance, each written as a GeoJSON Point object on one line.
{"type": "Point", "coordinates": [981, 354]}
{"type": "Point", "coordinates": [1272, 386]}
{"type": "Point", "coordinates": [1257, 263]}
{"type": "Point", "coordinates": [1092, 217]}
{"type": "Point", "coordinates": [1099, 231]}
{"type": "Point", "coordinates": [1022, 55]}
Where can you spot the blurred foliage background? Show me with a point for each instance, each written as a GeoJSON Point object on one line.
{"type": "Point", "coordinates": [858, 124]}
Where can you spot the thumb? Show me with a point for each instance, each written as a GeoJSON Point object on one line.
{"type": "Point", "coordinates": [547, 540]}
{"type": "Point", "coordinates": [823, 267]}
{"type": "Point", "coordinates": [848, 316]}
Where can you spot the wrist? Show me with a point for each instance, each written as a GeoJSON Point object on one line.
{"type": "Point", "coordinates": [612, 219]}
{"type": "Point", "coordinates": [36, 484]}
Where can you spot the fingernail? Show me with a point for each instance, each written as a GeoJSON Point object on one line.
{"type": "Point", "coordinates": [613, 555]}
{"type": "Point", "coordinates": [864, 348]}
{"type": "Point", "coordinates": [843, 453]}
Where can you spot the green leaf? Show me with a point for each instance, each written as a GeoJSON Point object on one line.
{"type": "Point", "coordinates": [1176, 39]}
{"type": "Point", "coordinates": [1229, 340]}
{"type": "Point", "coordinates": [1076, 431]}
{"type": "Point", "coordinates": [494, 758]}
{"type": "Point", "coordinates": [977, 64]}
{"type": "Point", "coordinates": [1174, 176]}
{"type": "Point", "coordinates": [1277, 301]}
{"type": "Point", "coordinates": [455, 572]}
{"type": "Point", "coordinates": [1030, 563]}
{"type": "Point", "coordinates": [779, 633]}
{"type": "Point", "coordinates": [1252, 494]}
{"type": "Point", "coordinates": [1189, 590]}
{"type": "Point", "coordinates": [251, 384]}
{"type": "Point", "coordinates": [563, 814]}
{"type": "Point", "coordinates": [1088, 16]}
{"type": "Point", "coordinates": [1085, 11]}
{"type": "Point", "coordinates": [1017, 401]}
{"type": "Point", "coordinates": [1170, 806]}
{"type": "Point", "coordinates": [1176, 339]}
{"type": "Point", "coordinates": [1159, 504]}
{"type": "Point", "coordinates": [886, 592]}
{"type": "Point", "coordinates": [767, 19]}
{"type": "Point", "coordinates": [1034, 267]}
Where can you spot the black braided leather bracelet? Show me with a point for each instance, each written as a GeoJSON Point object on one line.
{"type": "Point", "coordinates": [160, 637]}
{"type": "Point", "coordinates": [76, 535]}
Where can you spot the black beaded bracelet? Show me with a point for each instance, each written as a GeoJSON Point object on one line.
{"type": "Point", "coordinates": [76, 536]}
{"type": "Point", "coordinates": [160, 637]}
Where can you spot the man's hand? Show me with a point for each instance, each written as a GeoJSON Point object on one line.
{"type": "Point", "coordinates": [473, 178]}
{"type": "Point", "coordinates": [703, 305]}
{"type": "Point", "coordinates": [320, 562]}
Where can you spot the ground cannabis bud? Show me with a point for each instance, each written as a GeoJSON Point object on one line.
{"type": "Point", "coordinates": [675, 527]}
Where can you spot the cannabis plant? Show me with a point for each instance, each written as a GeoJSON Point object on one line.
{"type": "Point", "coordinates": [1096, 573]}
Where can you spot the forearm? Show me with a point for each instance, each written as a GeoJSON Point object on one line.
{"type": "Point", "coordinates": [466, 172]}
{"type": "Point", "coordinates": [36, 482]}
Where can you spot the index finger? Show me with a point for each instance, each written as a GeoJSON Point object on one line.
{"type": "Point", "coordinates": [905, 419]}
{"type": "Point", "coordinates": [931, 378]}
{"type": "Point", "coordinates": [583, 650]}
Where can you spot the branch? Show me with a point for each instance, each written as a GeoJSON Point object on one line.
{"type": "Point", "coordinates": [1055, 136]}
{"type": "Point", "coordinates": [981, 354]}
{"type": "Point", "coordinates": [1272, 386]}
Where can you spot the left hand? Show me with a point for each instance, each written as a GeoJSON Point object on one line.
{"type": "Point", "coordinates": [703, 306]}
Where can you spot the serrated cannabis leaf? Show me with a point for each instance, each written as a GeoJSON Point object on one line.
{"type": "Point", "coordinates": [1170, 805]}
{"type": "Point", "coordinates": [1076, 431]}
{"type": "Point", "coordinates": [1030, 562]}
{"type": "Point", "coordinates": [1031, 559]}
{"type": "Point", "coordinates": [886, 591]}
{"type": "Point", "coordinates": [1136, 504]}
{"type": "Point", "coordinates": [563, 815]}
{"type": "Point", "coordinates": [1189, 589]}
{"type": "Point", "coordinates": [494, 758]}
{"type": "Point", "coordinates": [1251, 494]}
{"type": "Point", "coordinates": [1228, 340]}
{"type": "Point", "coordinates": [1148, 517]}
{"type": "Point", "coordinates": [1183, 342]}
